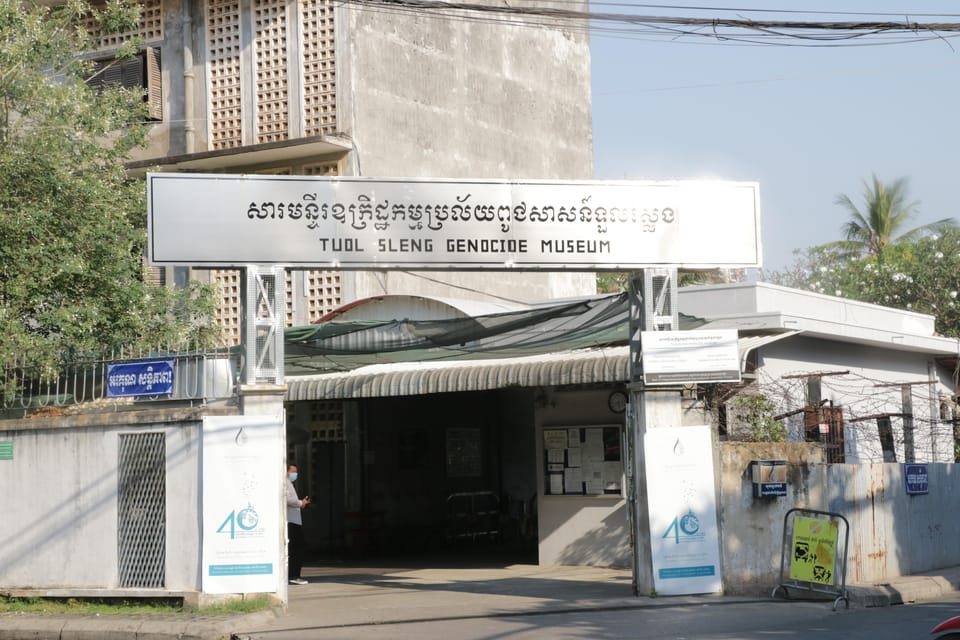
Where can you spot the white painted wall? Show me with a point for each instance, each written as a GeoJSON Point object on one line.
{"type": "Point", "coordinates": [579, 530]}
{"type": "Point", "coordinates": [59, 505]}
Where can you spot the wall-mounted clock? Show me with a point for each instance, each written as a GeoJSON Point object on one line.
{"type": "Point", "coordinates": [617, 401]}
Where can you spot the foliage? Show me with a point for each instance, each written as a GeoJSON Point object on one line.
{"type": "Point", "coordinates": [920, 276]}
{"type": "Point", "coordinates": [246, 605]}
{"type": "Point", "coordinates": [754, 416]}
{"type": "Point", "coordinates": [72, 223]}
{"type": "Point", "coordinates": [612, 282]}
{"type": "Point", "coordinates": [880, 222]}
{"type": "Point", "coordinates": [120, 606]}
{"type": "Point", "coordinates": [74, 606]}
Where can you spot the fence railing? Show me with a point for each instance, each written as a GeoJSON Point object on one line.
{"type": "Point", "coordinates": [197, 377]}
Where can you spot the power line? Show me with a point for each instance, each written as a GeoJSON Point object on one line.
{"type": "Point", "coordinates": [737, 29]}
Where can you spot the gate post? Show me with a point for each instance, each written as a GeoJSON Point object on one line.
{"type": "Point", "coordinates": [652, 295]}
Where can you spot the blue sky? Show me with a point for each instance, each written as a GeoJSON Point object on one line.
{"type": "Point", "coordinates": [805, 123]}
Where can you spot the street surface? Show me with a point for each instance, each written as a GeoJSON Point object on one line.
{"type": "Point", "coordinates": [779, 620]}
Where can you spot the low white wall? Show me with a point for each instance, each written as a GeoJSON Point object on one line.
{"type": "Point", "coordinates": [584, 530]}
{"type": "Point", "coordinates": [59, 500]}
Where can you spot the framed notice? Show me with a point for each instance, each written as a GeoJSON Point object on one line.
{"type": "Point", "coordinates": [681, 357]}
{"type": "Point", "coordinates": [582, 461]}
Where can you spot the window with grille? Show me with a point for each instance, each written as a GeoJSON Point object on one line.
{"type": "Point", "coordinates": [274, 43]}
{"type": "Point", "coordinates": [141, 71]}
{"type": "Point", "coordinates": [141, 510]}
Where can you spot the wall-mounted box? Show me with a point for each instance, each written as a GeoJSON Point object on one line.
{"type": "Point", "coordinates": [769, 478]}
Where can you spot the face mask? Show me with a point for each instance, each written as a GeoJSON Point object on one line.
{"type": "Point", "coordinates": [293, 477]}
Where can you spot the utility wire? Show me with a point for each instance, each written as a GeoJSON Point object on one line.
{"type": "Point", "coordinates": [761, 31]}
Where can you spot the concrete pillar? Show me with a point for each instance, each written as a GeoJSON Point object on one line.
{"type": "Point", "coordinates": [648, 409]}
{"type": "Point", "coordinates": [267, 399]}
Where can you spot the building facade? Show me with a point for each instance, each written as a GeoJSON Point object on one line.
{"type": "Point", "coordinates": [319, 88]}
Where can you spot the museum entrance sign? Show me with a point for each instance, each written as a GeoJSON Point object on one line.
{"type": "Point", "coordinates": [220, 220]}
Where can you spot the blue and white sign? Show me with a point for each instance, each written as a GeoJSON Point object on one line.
{"type": "Point", "coordinates": [681, 495]}
{"type": "Point", "coordinates": [917, 479]}
{"type": "Point", "coordinates": [243, 487]}
{"type": "Point", "coordinates": [152, 378]}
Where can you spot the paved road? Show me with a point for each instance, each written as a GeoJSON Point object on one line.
{"type": "Point", "coordinates": [775, 620]}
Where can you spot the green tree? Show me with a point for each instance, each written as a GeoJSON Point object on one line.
{"type": "Point", "coordinates": [72, 224]}
{"type": "Point", "coordinates": [880, 223]}
{"type": "Point", "coordinates": [755, 419]}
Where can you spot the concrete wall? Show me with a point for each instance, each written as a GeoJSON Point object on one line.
{"type": "Point", "coordinates": [442, 96]}
{"type": "Point", "coordinates": [891, 533]}
{"type": "Point", "coordinates": [59, 499]}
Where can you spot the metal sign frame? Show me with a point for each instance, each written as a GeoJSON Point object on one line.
{"type": "Point", "coordinates": [307, 222]}
{"type": "Point", "coordinates": [840, 559]}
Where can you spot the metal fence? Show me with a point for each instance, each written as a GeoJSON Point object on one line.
{"type": "Point", "coordinates": [197, 377]}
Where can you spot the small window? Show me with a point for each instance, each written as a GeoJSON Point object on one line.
{"type": "Point", "coordinates": [141, 71]}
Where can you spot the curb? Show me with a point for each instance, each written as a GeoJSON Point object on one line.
{"type": "Point", "coordinates": [904, 591]}
{"type": "Point", "coordinates": [39, 627]}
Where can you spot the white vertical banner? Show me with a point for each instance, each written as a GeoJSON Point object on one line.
{"type": "Point", "coordinates": [242, 495]}
{"type": "Point", "coordinates": [681, 496]}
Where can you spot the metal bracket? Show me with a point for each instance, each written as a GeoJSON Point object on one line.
{"type": "Point", "coordinates": [264, 318]}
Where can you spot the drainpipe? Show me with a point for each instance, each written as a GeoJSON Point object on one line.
{"type": "Point", "coordinates": [188, 80]}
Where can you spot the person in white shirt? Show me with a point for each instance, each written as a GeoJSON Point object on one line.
{"type": "Point", "coordinates": [294, 528]}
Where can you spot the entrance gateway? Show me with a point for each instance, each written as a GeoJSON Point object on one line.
{"type": "Point", "coordinates": [265, 224]}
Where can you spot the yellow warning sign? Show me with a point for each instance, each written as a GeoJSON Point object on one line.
{"type": "Point", "coordinates": [814, 550]}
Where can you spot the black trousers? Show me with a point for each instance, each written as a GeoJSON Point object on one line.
{"type": "Point", "coordinates": [295, 555]}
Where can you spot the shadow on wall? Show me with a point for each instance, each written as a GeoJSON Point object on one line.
{"type": "Point", "coordinates": [74, 494]}
{"type": "Point", "coordinates": [894, 533]}
{"type": "Point", "coordinates": [605, 546]}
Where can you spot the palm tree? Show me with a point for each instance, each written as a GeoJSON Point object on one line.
{"type": "Point", "coordinates": [887, 211]}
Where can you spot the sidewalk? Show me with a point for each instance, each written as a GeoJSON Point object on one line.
{"type": "Point", "coordinates": [352, 596]}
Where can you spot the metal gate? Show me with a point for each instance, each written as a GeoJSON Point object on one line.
{"type": "Point", "coordinates": [141, 510]}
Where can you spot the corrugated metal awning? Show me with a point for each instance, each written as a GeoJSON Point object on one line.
{"type": "Point", "coordinates": [582, 366]}
{"type": "Point", "coordinates": [585, 366]}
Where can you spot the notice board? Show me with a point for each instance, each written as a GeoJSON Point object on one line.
{"type": "Point", "coordinates": [582, 460]}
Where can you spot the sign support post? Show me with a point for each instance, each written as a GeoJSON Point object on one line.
{"type": "Point", "coordinates": [652, 295]}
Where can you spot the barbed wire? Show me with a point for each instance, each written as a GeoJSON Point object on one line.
{"type": "Point", "coordinates": [863, 400]}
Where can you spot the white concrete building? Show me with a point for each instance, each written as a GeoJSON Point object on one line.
{"type": "Point", "coordinates": [874, 382]}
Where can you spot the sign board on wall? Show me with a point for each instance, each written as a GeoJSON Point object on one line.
{"type": "Point", "coordinates": [242, 497]}
{"type": "Point", "coordinates": [917, 479]}
{"type": "Point", "coordinates": [677, 357]}
{"type": "Point", "coordinates": [684, 538]}
{"type": "Point", "coordinates": [132, 379]}
{"type": "Point", "coordinates": [365, 223]}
